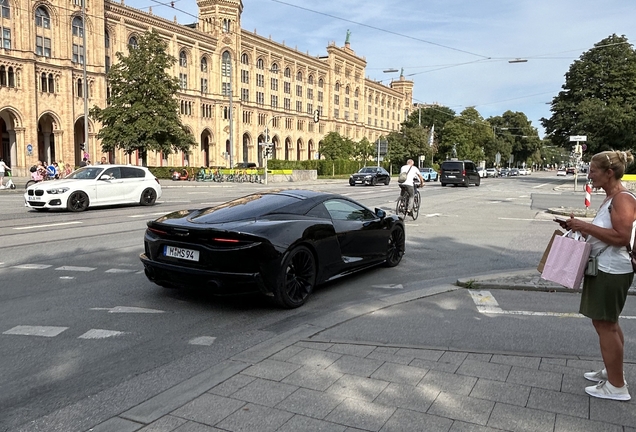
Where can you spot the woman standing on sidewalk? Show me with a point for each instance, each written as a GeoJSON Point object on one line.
{"type": "Point", "coordinates": [604, 295]}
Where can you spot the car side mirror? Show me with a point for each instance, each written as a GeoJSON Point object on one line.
{"type": "Point", "coordinates": [380, 213]}
{"type": "Point", "coordinates": [105, 177]}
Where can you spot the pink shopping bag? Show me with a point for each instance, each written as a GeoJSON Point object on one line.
{"type": "Point", "coordinates": [567, 260]}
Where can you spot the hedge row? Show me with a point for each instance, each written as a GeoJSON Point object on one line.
{"type": "Point", "coordinates": [323, 167]}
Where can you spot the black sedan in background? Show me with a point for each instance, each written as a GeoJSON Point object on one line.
{"type": "Point", "coordinates": [281, 243]}
{"type": "Point", "coordinates": [370, 176]}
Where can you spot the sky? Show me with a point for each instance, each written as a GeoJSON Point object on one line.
{"type": "Point", "coordinates": [456, 52]}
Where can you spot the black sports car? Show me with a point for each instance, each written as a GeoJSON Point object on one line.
{"type": "Point", "coordinates": [370, 176]}
{"type": "Point", "coordinates": [282, 243]}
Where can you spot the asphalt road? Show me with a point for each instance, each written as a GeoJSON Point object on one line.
{"type": "Point", "coordinates": [78, 317]}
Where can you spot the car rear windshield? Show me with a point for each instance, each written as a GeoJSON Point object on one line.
{"type": "Point", "coordinates": [452, 166]}
{"type": "Point", "coordinates": [249, 207]}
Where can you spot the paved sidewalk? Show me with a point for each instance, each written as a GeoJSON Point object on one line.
{"type": "Point", "coordinates": [299, 382]}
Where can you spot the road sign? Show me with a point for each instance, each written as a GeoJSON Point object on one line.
{"type": "Point", "coordinates": [498, 157]}
{"type": "Point", "coordinates": [578, 137]}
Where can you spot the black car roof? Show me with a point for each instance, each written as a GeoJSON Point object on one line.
{"type": "Point", "coordinates": [254, 206]}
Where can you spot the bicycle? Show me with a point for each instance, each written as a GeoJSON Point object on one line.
{"type": "Point", "coordinates": [403, 202]}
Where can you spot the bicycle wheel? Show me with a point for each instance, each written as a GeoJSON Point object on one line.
{"type": "Point", "coordinates": [402, 203]}
{"type": "Point", "coordinates": [416, 205]}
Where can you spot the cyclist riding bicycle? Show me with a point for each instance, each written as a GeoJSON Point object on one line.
{"type": "Point", "coordinates": [412, 173]}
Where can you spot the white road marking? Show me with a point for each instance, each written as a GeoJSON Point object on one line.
{"type": "Point", "coordinates": [541, 185]}
{"type": "Point", "coordinates": [147, 214]}
{"type": "Point", "coordinates": [67, 277]}
{"type": "Point", "coordinates": [202, 340]}
{"type": "Point", "coordinates": [33, 266]}
{"type": "Point", "coordinates": [100, 334]}
{"type": "Point", "coordinates": [487, 304]}
{"type": "Point", "coordinates": [77, 269]}
{"type": "Point", "coordinates": [388, 286]}
{"type": "Point", "coordinates": [47, 225]}
{"type": "Point", "coordinates": [432, 215]}
{"type": "Point", "coordinates": [129, 309]}
{"type": "Point", "coordinates": [44, 331]}
{"type": "Point", "coordinates": [115, 270]}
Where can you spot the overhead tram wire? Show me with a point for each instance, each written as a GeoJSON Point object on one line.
{"type": "Point", "coordinates": [381, 29]}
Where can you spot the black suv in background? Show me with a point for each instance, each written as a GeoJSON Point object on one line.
{"type": "Point", "coordinates": [459, 173]}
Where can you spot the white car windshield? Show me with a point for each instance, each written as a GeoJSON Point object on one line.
{"type": "Point", "coordinates": [86, 173]}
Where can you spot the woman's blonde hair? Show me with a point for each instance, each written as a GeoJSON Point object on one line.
{"type": "Point", "coordinates": [617, 160]}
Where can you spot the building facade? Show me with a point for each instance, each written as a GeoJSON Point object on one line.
{"type": "Point", "coordinates": [48, 50]}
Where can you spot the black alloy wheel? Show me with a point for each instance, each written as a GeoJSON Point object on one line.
{"type": "Point", "coordinates": [148, 197]}
{"type": "Point", "coordinates": [77, 201]}
{"type": "Point", "coordinates": [297, 278]}
{"type": "Point", "coordinates": [374, 181]}
{"type": "Point", "coordinates": [388, 180]}
{"type": "Point", "coordinates": [396, 246]}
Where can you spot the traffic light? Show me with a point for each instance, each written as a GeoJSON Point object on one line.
{"type": "Point", "coordinates": [316, 116]}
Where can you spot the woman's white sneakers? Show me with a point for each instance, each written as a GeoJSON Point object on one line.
{"type": "Point", "coordinates": [596, 376]}
{"type": "Point", "coordinates": [605, 390]}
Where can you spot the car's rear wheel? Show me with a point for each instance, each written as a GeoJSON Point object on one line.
{"type": "Point", "coordinates": [387, 182]}
{"type": "Point", "coordinates": [396, 245]}
{"type": "Point", "coordinates": [374, 181]}
{"type": "Point", "coordinates": [297, 278]}
{"type": "Point", "coordinates": [77, 201]}
{"type": "Point", "coordinates": [478, 182]}
{"type": "Point", "coordinates": [148, 197]}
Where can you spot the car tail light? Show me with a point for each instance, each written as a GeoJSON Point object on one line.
{"type": "Point", "coordinates": [464, 172]}
{"type": "Point", "coordinates": [158, 232]}
{"type": "Point", "coordinates": [225, 240]}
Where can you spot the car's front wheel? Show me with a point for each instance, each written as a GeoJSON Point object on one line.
{"type": "Point", "coordinates": [396, 247]}
{"type": "Point", "coordinates": [297, 278]}
{"type": "Point", "coordinates": [77, 201]}
{"type": "Point", "coordinates": [148, 197]}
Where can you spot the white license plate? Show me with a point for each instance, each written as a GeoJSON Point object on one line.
{"type": "Point", "coordinates": [358, 181]}
{"type": "Point", "coordinates": [450, 176]}
{"type": "Point", "coordinates": [181, 253]}
{"type": "Point", "coordinates": [35, 198]}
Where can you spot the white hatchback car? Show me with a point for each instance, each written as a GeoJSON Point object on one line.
{"type": "Point", "coordinates": [93, 186]}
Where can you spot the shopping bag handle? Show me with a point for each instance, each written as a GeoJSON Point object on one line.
{"type": "Point", "coordinates": [576, 235]}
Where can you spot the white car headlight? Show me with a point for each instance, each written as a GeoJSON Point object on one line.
{"type": "Point", "coordinates": [57, 190]}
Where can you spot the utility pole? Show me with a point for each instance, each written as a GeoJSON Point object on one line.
{"type": "Point", "coordinates": [84, 83]}
{"type": "Point", "coordinates": [231, 130]}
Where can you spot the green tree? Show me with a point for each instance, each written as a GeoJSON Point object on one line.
{"type": "Point", "coordinates": [143, 112]}
{"type": "Point", "coordinates": [428, 117]}
{"type": "Point", "coordinates": [514, 134]}
{"type": "Point", "coordinates": [598, 98]}
{"type": "Point", "coordinates": [334, 146]}
{"type": "Point", "coordinates": [364, 150]}
{"type": "Point", "coordinates": [465, 136]}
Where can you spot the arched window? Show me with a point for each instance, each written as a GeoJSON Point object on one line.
{"type": "Point", "coordinates": [132, 42]}
{"type": "Point", "coordinates": [225, 64]}
{"type": "Point", "coordinates": [78, 27]}
{"type": "Point", "coordinates": [204, 64]}
{"type": "Point", "coordinates": [347, 90]}
{"type": "Point", "coordinates": [5, 11]}
{"type": "Point", "coordinates": [106, 39]}
{"type": "Point", "coordinates": [356, 93]}
{"type": "Point", "coordinates": [11, 77]}
{"type": "Point", "coordinates": [320, 83]}
{"type": "Point", "coordinates": [3, 76]}
{"type": "Point", "coordinates": [299, 76]}
{"type": "Point", "coordinates": [274, 68]}
{"type": "Point", "coordinates": [337, 86]}
{"type": "Point", "coordinates": [183, 59]}
{"type": "Point", "coordinates": [310, 79]}
{"type": "Point", "coordinates": [260, 64]}
{"type": "Point", "coordinates": [42, 18]}
{"type": "Point", "coordinates": [51, 85]}
{"type": "Point", "coordinates": [226, 70]}
{"type": "Point", "coordinates": [287, 73]}
{"type": "Point", "coordinates": [80, 88]}
{"type": "Point", "coordinates": [226, 25]}
{"type": "Point", "coordinates": [245, 59]}
{"type": "Point", "coordinates": [42, 80]}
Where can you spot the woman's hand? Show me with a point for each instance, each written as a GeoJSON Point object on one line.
{"type": "Point", "coordinates": [575, 224]}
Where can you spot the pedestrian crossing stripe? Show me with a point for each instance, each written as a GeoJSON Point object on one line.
{"type": "Point", "coordinates": [487, 304]}
{"type": "Point", "coordinates": [100, 334]}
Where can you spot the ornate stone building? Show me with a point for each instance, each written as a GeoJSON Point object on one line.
{"type": "Point", "coordinates": [45, 43]}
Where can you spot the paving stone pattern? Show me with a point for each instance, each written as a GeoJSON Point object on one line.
{"type": "Point", "coordinates": [316, 386]}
